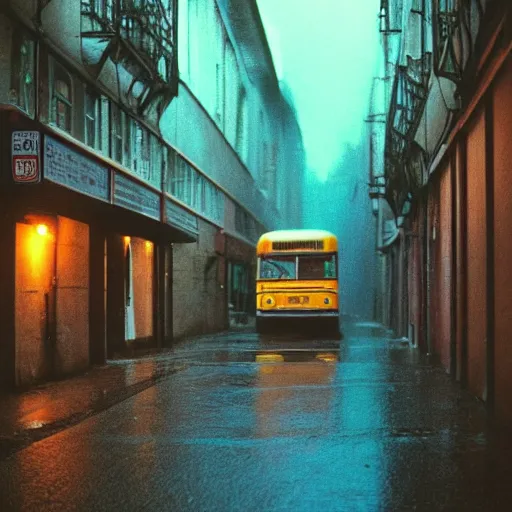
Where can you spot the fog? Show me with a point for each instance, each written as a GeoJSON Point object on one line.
{"type": "Point", "coordinates": [326, 57]}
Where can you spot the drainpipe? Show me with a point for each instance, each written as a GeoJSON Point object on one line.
{"type": "Point", "coordinates": [382, 266]}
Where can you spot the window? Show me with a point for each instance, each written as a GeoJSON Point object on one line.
{"type": "Point", "coordinates": [170, 171]}
{"type": "Point", "coordinates": [178, 179]}
{"type": "Point", "coordinates": [195, 190]}
{"type": "Point", "coordinates": [142, 153]}
{"type": "Point", "coordinates": [121, 136]}
{"type": "Point", "coordinates": [213, 202]}
{"type": "Point", "coordinates": [242, 126]}
{"type": "Point", "coordinates": [126, 130]}
{"type": "Point", "coordinates": [22, 91]}
{"type": "Point", "coordinates": [62, 98]}
{"type": "Point", "coordinates": [116, 127]}
{"type": "Point", "coordinates": [92, 120]}
{"type": "Point", "coordinates": [157, 161]}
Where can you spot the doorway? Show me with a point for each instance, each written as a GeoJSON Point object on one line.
{"type": "Point", "coordinates": [35, 299]}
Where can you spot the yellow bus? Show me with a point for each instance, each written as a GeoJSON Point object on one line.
{"type": "Point", "coordinates": [297, 279]}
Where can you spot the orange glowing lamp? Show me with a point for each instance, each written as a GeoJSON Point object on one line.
{"type": "Point", "coordinates": [42, 229]}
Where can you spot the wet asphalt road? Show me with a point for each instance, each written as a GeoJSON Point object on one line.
{"type": "Point", "coordinates": [276, 425]}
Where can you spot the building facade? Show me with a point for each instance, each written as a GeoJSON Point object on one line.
{"type": "Point", "coordinates": [440, 181]}
{"type": "Point", "coordinates": [145, 145]}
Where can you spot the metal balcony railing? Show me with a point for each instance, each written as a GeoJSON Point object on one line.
{"type": "Point", "coordinates": [450, 19]}
{"type": "Point", "coordinates": [408, 98]}
{"type": "Point", "coordinates": [147, 26]}
{"type": "Point", "coordinates": [139, 35]}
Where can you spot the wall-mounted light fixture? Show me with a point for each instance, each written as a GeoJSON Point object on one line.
{"type": "Point", "coordinates": [42, 229]}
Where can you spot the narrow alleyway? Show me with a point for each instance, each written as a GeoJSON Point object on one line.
{"type": "Point", "coordinates": [273, 424]}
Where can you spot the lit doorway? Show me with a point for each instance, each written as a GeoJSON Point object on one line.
{"type": "Point", "coordinates": [35, 299]}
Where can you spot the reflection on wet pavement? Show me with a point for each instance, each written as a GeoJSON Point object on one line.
{"type": "Point", "coordinates": [50, 407]}
{"type": "Point", "coordinates": [247, 427]}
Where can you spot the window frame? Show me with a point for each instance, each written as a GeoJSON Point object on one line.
{"type": "Point", "coordinates": [59, 71]}
{"type": "Point", "coordinates": [116, 132]}
{"type": "Point", "coordinates": [20, 66]}
{"type": "Point", "coordinates": [94, 118]}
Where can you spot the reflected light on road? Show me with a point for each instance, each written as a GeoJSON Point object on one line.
{"type": "Point", "coordinates": [269, 358]}
{"type": "Point", "coordinates": [327, 358]}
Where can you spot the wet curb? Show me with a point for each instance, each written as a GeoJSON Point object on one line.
{"type": "Point", "coordinates": [24, 438]}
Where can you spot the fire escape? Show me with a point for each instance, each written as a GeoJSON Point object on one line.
{"type": "Point", "coordinates": [408, 97]}
{"type": "Point", "coordinates": [138, 39]}
{"type": "Point", "coordinates": [407, 101]}
{"type": "Point", "coordinates": [447, 18]}
{"type": "Point", "coordinates": [456, 25]}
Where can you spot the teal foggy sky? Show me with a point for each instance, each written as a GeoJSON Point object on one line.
{"type": "Point", "coordinates": [326, 54]}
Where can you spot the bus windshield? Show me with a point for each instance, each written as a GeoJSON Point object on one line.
{"type": "Point", "coordinates": [318, 266]}
{"type": "Point", "coordinates": [278, 267]}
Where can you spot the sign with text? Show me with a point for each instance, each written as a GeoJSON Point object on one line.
{"type": "Point", "coordinates": [66, 167]}
{"type": "Point", "coordinates": [136, 197]}
{"type": "Point", "coordinates": [180, 218]}
{"type": "Point", "coordinates": [26, 157]}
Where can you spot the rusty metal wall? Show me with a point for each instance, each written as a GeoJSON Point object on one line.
{"type": "Point", "coordinates": [502, 157]}
{"type": "Point", "coordinates": [433, 265]}
{"type": "Point", "coordinates": [476, 256]}
{"type": "Point", "coordinates": [443, 268]}
{"type": "Point", "coordinates": [459, 274]}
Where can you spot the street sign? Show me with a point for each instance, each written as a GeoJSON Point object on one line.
{"type": "Point", "coordinates": [26, 157]}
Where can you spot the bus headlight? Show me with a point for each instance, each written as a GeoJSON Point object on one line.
{"type": "Point", "coordinates": [268, 301]}
{"type": "Point", "coordinates": [327, 300]}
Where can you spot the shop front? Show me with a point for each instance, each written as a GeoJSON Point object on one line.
{"type": "Point", "coordinates": [86, 270]}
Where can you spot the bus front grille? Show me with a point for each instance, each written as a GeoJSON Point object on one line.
{"type": "Point", "coordinates": [296, 245]}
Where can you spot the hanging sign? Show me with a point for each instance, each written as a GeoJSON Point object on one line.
{"type": "Point", "coordinates": [26, 157]}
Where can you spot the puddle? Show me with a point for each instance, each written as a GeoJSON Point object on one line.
{"type": "Point", "coordinates": [276, 356]}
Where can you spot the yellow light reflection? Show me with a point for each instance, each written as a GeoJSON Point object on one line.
{"type": "Point", "coordinates": [328, 358]}
{"type": "Point", "coordinates": [269, 358]}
